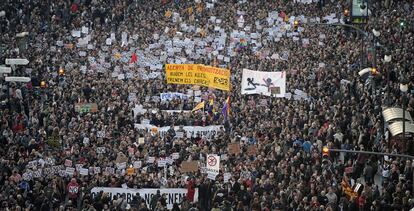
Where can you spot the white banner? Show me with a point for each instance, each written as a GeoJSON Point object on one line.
{"type": "Point", "coordinates": [173, 95]}
{"type": "Point", "coordinates": [17, 79]}
{"type": "Point", "coordinates": [174, 195]}
{"type": "Point", "coordinates": [212, 165]}
{"type": "Point", "coordinates": [4, 69]}
{"type": "Point", "coordinates": [266, 83]}
{"type": "Point", "coordinates": [192, 131]}
{"type": "Point", "coordinates": [17, 61]}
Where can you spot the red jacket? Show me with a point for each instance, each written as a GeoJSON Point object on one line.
{"type": "Point", "coordinates": [73, 190]}
{"type": "Point", "coordinates": [190, 190]}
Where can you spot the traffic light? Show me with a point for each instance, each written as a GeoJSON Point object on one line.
{"type": "Point", "coordinates": [43, 84]}
{"type": "Point", "coordinates": [61, 71]}
{"type": "Point", "coordinates": [374, 71]}
{"type": "Point", "coordinates": [402, 23]}
{"type": "Point", "coordinates": [325, 152]}
{"type": "Point", "coordinates": [346, 12]}
{"type": "Point", "coordinates": [295, 25]}
{"type": "Point", "coordinates": [346, 19]}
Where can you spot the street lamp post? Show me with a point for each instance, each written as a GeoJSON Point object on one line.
{"type": "Point", "coordinates": [387, 59]}
{"type": "Point", "coordinates": [403, 89]}
{"type": "Point", "coordinates": [376, 34]}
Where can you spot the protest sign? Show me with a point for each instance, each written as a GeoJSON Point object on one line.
{"type": "Point", "coordinates": [97, 170]}
{"type": "Point", "coordinates": [84, 171]}
{"type": "Point", "coordinates": [27, 176]}
{"type": "Point", "coordinates": [121, 158]}
{"type": "Point", "coordinates": [174, 195]}
{"type": "Point", "coordinates": [109, 170]}
{"type": "Point", "coordinates": [137, 164]}
{"type": "Point", "coordinates": [266, 83]}
{"type": "Point", "coordinates": [189, 166]}
{"type": "Point", "coordinates": [198, 74]}
{"type": "Point", "coordinates": [162, 162]}
{"type": "Point", "coordinates": [70, 170]}
{"type": "Point", "coordinates": [37, 173]}
{"type": "Point", "coordinates": [86, 107]}
{"type": "Point", "coordinates": [213, 164]}
{"type": "Point", "coordinates": [151, 160]}
{"type": "Point", "coordinates": [252, 150]}
{"type": "Point", "coordinates": [175, 155]}
{"type": "Point", "coordinates": [100, 150]}
{"type": "Point", "coordinates": [233, 148]}
{"type": "Point", "coordinates": [121, 165]}
{"type": "Point", "coordinates": [68, 163]}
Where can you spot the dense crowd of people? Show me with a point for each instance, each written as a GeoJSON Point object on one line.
{"type": "Point", "coordinates": [112, 52]}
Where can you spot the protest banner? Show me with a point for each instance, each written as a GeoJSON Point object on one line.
{"type": "Point", "coordinates": [191, 131]}
{"type": "Point", "coordinates": [189, 166]}
{"type": "Point", "coordinates": [266, 83]}
{"type": "Point", "coordinates": [17, 61]}
{"type": "Point", "coordinates": [4, 69]}
{"type": "Point", "coordinates": [174, 195]}
{"type": "Point", "coordinates": [233, 148]}
{"type": "Point", "coordinates": [86, 107]}
{"type": "Point", "coordinates": [197, 74]}
{"type": "Point", "coordinates": [17, 79]}
{"type": "Point", "coordinates": [171, 96]}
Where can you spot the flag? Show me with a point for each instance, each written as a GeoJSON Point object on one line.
{"type": "Point", "coordinates": [168, 14]}
{"type": "Point", "coordinates": [198, 106]}
{"type": "Point", "coordinates": [117, 56]}
{"type": "Point", "coordinates": [133, 58]}
{"type": "Point", "coordinates": [346, 188]}
{"type": "Point", "coordinates": [226, 108]}
{"type": "Point", "coordinates": [211, 110]}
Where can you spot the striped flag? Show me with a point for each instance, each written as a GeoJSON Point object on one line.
{"type": "Point", "coordinates": [211, 110]}
{"type": "Point", "coordinates": [226, 108]}
{"type": "Point", "coordinates": [347, 189]}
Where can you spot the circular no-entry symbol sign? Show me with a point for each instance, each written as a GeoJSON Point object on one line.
{"type": "Point", "coordinates": [211, 161]}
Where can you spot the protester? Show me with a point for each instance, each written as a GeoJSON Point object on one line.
{"type": "Point", "coordinates": [56, 146]}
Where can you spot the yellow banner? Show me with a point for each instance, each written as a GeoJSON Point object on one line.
{"type": "Point", "coordinates": [214, 77]}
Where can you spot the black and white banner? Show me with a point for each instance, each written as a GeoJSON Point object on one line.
{"type": "Point", "coordinates": [191, 131]}
{"type": "Point", "coordinates": [174, 195]}
{"type": "Point", "coordinates": [265, 83]}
